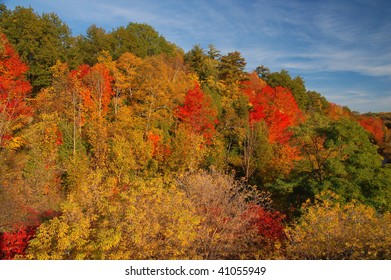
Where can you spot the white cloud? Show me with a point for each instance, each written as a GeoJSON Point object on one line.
{"type": "Point", "coordinates": [301, 36]}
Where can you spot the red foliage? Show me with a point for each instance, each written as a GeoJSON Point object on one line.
{"type": "Point", "coordinates": [198, 113]}
{"type": "Point", "coordinates": [275, 106]}
{"type": "Point", "coordinates": [16, 241]}
{"type": "Point", "coordinates": [59, 138]}
{"type": "Point", "coordinates": [374, 126]}
{"type": "Point", "coordinates": [268, 223]}
{"type": "Point", "coordinates": [13, 89]}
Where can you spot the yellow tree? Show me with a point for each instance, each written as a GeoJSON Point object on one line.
{"type": "Point", "coordinates": [163, 83]}
{"type": "Point", "coordinates": [330, 230]}
{"type": "Point", "coordinates": [124, 71]}
{"type": "Point", "coordinates": [149, 220]}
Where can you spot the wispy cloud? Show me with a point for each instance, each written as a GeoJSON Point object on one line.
{"type": "Point", "coordinates": [307, 37]}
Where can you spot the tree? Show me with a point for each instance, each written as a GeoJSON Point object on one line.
{"type": "Point", "coordinates": [162, 85]}
{"type": "Point", "coordinates": [338, 155]}
{"type": "Point", "coordinates": [275, 106]}
{"type": "Point", "coordinates": [91, 45]}
{"type": "Point", "coordinates": [277, 111]}
{"type": "Point", "coordinates": [228, 228]}
{"type": "Point", "coordinates": [140, 39]}
{"type": "Point", "coordinates": [146, 41]}
{"type": "Point", "coordinates": [262, 71]}
{"type": "Point", "coordinates": [203, 64]}
{"type": "Point", "coordinates": [124, 72]}
{"type": "Point", "coordinates": [197, 112]}
{"type": "Point", "coordinates": [14, 89]}
{"type": "Point", "coordinates": [295, 85]}
{"type": "Point", "coordinates": [40, 40]}
{"type": "Point", "coordinates": [147, 220]}
{"type": "Point", "coordinates": [96, 93]}
{"type": "Point", "coordinates": [96, 89]}
{"type": "Point", "coordinates": [330, 230]}
{"type": "Point", "coordinates": [13, 244]}
{"type": "Point", "coordinates": [231, 68]}
{"type": "Point", "coordinates": [42, 188]}
{"type": "Point", "coordinates": [374, 126]}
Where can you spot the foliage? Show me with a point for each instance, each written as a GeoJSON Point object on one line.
{"type": "Point", "coordinates": [295, 85]}
{"type": "Point", "coordinates": [13, 244]}
{"type": "Point", "coordinates": [330, 230]}
{"type": "Point", "coordinates": [14, 88]}
{"type": "Point", "coordinates": [277, 110]}
{"type": "Point", "coordinates": [233, 225]}
{"type": "Point", "coordinates": [338, 155]}
{"type": "Point", "coordinates": [40, 40]}
{"type": "Point", "coordinates": [374, 126]}
{"type": "Point", "coordinates": [198, 114]}
{"type": "Point", "coordinates": [101, 220]}
{"type": "Point", "coordinates": [151, 153]}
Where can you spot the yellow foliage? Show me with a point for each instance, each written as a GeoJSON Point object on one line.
{"type": "Point", "coordinates": [147, 221]}
{"type": "Point", "coordinates": [329, 230]}
{"type": "Point", "coordinates": [15, 143]}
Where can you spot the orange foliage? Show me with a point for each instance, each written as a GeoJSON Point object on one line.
{"type": "Point", "coordinates": [336, 112]}
{"type": "Point", "coordinates": [13, 91]}
{"type": "Point", "coordinates": [94, 86]}
{"type": "Point", "coordinates": [277, 108]}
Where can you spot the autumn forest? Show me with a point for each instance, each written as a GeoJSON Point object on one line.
{"type": "Point", "coordinates": [120, 145]}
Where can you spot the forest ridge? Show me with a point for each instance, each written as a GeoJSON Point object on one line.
{"type": "Point", "coordinates": [119, 145]}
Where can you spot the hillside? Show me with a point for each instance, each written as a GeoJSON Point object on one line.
{"type": "Point", "coordinates": [119, 145]}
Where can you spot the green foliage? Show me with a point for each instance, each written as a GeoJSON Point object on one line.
{"type": "Point", "coordinates": [339, 156]}
{"type": "Point", "coordinates": [295, 85]}
{"type": "Point", "coordinates": [40, 40]}
{"type": "Point", "coordinates": [205, 65]}
{"type": "Point", "coordinates": [138, 38]}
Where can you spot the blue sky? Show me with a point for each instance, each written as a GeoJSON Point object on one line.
{"type": "Point", "coordinates": [341, 48]}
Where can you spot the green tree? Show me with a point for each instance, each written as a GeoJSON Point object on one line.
{"type": "Point", "coordinates": [40, 40]}
{"type": "Point", "coordinates": [231, 68]}
{"type": "Point", "coordinates": [140, 39]}
{"type": "Point", "coordinates": [339, 156]}
{"type": "Point", "coordinates": [203, 64]}
{"type": "Point", "coordinates": [91, 45]}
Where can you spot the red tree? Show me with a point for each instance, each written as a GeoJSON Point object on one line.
{"type": "Point", "coordinates": [198, 113]}
{"type": "Point", "coordinates": [269, 224]}
{"type": "Point", "coordinates": [374, 126]}
{"type": "Point", "coordinates": [275, 106]}
{"type": "Point", "coordinates": [15, 242]}
{"type": "Point", "coordinates": [13, 91]}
